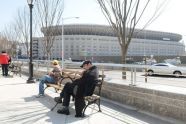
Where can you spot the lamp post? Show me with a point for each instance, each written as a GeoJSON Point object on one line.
{"type": "Point", "coordinates": [62, 38]}
{"type": "Point", "coordinates": [30, 79]}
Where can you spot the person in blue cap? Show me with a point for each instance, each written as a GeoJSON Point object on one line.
{"type": "Point", "coordinates": [81, 87]}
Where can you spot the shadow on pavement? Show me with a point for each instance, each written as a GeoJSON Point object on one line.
{"type": "Point", "coordinates": [164, 76]}
{"type": "Point", "coordinates": [12, 84]}
{"type": "Point", "coordinates": [127, 115]}
{"type": "Point", "coordinates": [53, 116]}
{"type": "Point", "coordinates": [122, 114]}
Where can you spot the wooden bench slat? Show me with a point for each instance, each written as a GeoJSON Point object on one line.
{"type": "Point", "coordinates": [92, 98]}
{"type": "Point", "coordinates": [58, 87]}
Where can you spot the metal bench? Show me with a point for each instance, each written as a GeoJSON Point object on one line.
{"type": "Point", "coordinates": [95, 98]}
{"type": "Point", "coordinates": [65, 77]}
{"type": "Point", "coordinates": [15, 68]}
{"type": "Point", "coordinates": [89, 100]}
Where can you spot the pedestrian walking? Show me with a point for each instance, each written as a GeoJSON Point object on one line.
{"type": "Point", "coordinates": [4, 61]}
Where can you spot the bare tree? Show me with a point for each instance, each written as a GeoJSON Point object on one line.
{"type": "Point", "coordinates": [49, 13]}
{"type": "Point", "coordinates": [22, 28]}
{"type": "Point", "coordinates": [124, 16]}
{"type": "Point", "coordinates": [3, 42]}
{"type": "Point", "coordinates": [9, 37]}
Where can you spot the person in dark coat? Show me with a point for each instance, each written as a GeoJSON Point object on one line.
{"type": "Point", "coordinates": [81, 87]}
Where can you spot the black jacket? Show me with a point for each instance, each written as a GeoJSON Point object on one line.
{"type": "Point", "coordinates": [86, 84]}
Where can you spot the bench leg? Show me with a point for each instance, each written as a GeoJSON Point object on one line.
{"type": "Point", "coordinates": [20, 74]}
{"type": "Point", "coordinates": [54, 106]}
{"type": "Point", "coordinates": [83, 113]}
{"type": "Point", "coordinates": [99, 105]}
{"type": "Point", "coordinates": [45, 88]}
{"type": "Point", "coordinates": [56, 90]}
{"type": "Point", "coordinates": [95, 102]}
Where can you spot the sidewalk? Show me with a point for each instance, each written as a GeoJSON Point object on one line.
{"type": "Point", "coordinates": [19, 105]}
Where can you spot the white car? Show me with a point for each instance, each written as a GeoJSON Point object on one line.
{"type": "Point", "coordinates": [166, 69]}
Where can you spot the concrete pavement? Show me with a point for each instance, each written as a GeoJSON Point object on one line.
{"type": "Point", "coordinates": [18, 105]}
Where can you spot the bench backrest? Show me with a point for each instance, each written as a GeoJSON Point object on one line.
{"type": "Point", "coordinates": [99, 84]}
{"type": "Point", "coordinates": [72, 75]}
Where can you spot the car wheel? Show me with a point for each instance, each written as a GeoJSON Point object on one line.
{"type": "Point", "coordinates": [177, 73]}
{"type": "Point", "coordinates": [150, 72]}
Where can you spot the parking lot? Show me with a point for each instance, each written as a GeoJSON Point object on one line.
{"type": "Point", "coordinates": [168, 80]}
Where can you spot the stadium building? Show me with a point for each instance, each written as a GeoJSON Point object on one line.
{"type": "Point", "coordinates": [99, 43]}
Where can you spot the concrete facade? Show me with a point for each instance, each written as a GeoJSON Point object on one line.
{"type": "Point", "coordinates": [97, 41]}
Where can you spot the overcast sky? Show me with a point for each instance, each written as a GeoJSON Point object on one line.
{"type": "Point", "coordinates": [173, 18]}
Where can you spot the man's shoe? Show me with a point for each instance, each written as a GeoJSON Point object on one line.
{"type": "Point", "coordinates": [40, 96]}
{"type": "Point", "coordinates": [79, 116]}
{"type": "Point", "coordinates": [63, 111]}
{"type": "Point", "coordinates": [58, 99]}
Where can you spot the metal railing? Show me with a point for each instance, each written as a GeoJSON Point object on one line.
{"type": "Point", "coordinates": [135, 74]}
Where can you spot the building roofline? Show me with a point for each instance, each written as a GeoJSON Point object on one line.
{"type": "Point", "coordinates": [106, 30]}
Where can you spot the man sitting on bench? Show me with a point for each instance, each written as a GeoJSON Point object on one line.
{"type": "Point", "coordinates": [79, 88]}
{"type": "Point", "coordinates": [51, 77]}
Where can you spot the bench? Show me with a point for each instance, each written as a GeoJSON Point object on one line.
{"type": "Point", "coordinates": [95, 98]}
{"type": "Point", "coordinates": [89, 100]}
{"type": "Point", "coordinates": [15, 68]}
{"type": "Point", "coordinates": [66, 76]}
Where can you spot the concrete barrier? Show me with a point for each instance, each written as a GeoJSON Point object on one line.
{"type": "Point", "coordinates": [154, 101]}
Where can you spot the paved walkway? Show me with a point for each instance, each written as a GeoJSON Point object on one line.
{"type": "Point", "coordinates": [18, 105]}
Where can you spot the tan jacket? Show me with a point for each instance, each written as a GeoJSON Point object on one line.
{"type": "Point", "coordinates": [56, 72]}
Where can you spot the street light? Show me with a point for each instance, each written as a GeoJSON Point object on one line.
{"type": "Point", "coordinates": [30, 79]}
{"type": "Point", "coordinates": [62, 38]}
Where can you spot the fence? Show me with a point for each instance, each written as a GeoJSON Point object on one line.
{"type": "Point", "coordinates": [135, 74]}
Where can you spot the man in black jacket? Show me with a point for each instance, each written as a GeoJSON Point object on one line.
{"type": "Point", "coordinates": [81, 87]}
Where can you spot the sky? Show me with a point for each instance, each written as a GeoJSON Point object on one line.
{"type": "Point", "coordinates": [173, 18]}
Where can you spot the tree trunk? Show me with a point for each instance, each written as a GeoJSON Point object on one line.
{"type": "Point", "coordinates": [48, 62]}
{"type": "Point", "coordinates": [123, 61]}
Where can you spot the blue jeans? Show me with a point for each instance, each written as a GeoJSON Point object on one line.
{"type": "Point", "coordinates": [44, 79]}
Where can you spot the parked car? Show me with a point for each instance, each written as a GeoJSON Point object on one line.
{"type": "Point", "coordinates": [174, 61]}
{"type": "Point", "coordinates": [166, 69]}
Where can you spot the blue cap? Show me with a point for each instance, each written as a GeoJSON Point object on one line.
{"type": "Point", "coordinates": [86, 62]}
